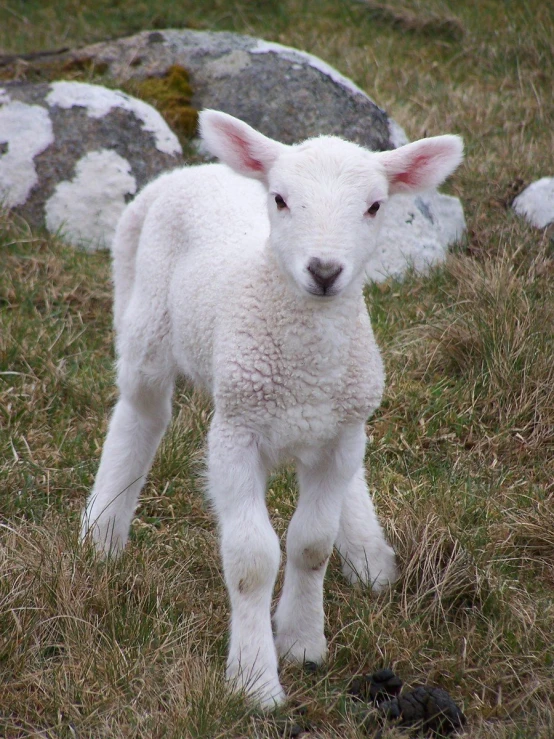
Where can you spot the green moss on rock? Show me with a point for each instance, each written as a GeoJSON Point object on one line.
{"type": "Point", "coordinates": [171, 94]}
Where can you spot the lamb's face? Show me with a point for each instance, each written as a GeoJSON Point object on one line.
{"type": "Point", "coordinates": [326, 196]}
{"type": "Point", "coordinates": [326, 200]}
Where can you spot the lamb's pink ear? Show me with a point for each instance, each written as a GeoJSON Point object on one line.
{"type": "Point", "coordinates": [238, 145]}
{"type": "Point", "coordinates": [423, 164]}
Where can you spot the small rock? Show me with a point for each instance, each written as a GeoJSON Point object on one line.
{"type": "Point", "coordinates": [289, 730]}
{"type": "Point", "coordinates": [536, 202]}
{"type": "Point", "coordinates": [295, 724]}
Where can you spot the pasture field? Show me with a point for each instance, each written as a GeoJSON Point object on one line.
{"type": "Point", "coordinates": [461, 453]}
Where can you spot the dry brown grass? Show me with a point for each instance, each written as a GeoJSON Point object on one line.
{"type": "Point", "coordinates": [104, 647]}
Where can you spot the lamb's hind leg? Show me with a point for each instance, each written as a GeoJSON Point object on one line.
{"type": "Point", "coordinates": [136, 428]}
{"type": "Point", "coordinates": [366, 555]}
{"type": "Point", "coordinates": [323, 476]}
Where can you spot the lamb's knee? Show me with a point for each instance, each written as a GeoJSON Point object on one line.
{"type": "Point", "coordinates": [312, 554]}
{"type": "Point", "coordinates": [251, 562]}
{"type": "Point", "coordinates": [148, 397]}
{"type": "Point", "coordinates": [310, 539]}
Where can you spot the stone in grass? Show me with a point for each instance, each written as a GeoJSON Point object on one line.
{"type": "Point", "coordinates": [536, 202]}
{"type": "Point", "coordinates": [283, 92]}
{"type": "Point", "coordinates": [295, 724]}
{"type": "Point", "coordinates": [73, 154]}
{"type": "Point", "coordinates": [415, 234]}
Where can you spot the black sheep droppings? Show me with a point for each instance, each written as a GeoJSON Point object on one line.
{"type": "Point", "coordinates": [425, 708]}
{"type": "Point", "coordinates": [377, 687]}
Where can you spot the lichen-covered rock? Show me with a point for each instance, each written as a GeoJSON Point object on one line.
{"type": "Point", "coordinates": [536, 202]}
{"type": "Point", "coordinates": [415, 234]}
{"type": "Point", "coordinates": [73, 154]}
{"type": "Point", "coordinates": [25, 132]}
{"type": "Point", "coordinates": [286, 94]}
{"type": "Point", "coordinates": [171, 94]}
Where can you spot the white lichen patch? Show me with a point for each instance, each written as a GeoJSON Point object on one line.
{"type": "Point", "coordinates": [86, 209]}
{"type": "Point", "coordinates": [416, 233]}
{"type": "Point", "coordinates": [536, 202]}
{"type": "Point", "coordinates": [397, 134]}
{"type": "Point", "coordinates": [98, 102]}
{"type": "Point", "coordinates": [25, 132]}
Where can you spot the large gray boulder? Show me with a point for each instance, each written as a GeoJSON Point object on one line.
{"type": "Point", "coordinates": [73, 154]}
{"type": "Point", "coordinates": [286, 94]}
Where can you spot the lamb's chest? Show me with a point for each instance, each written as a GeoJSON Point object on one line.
{"type": "Point", "coordinates": [296, 382]}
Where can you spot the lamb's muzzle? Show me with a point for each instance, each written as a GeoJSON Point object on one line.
{"type": "Point", "coordinates": [212, 276]}
{"type": "Point", "coordinates": [324, 275]}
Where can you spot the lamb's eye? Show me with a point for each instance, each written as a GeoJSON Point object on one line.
{"type": "Point", "coordinates": [372, 210]}
{"type": "Point", "coordinates": [281, 205]}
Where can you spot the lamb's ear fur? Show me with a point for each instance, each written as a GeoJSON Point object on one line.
{"type": "Point", "coordinates": [423, 164]}
{"type": "Point", "coordinates": [238, 145]}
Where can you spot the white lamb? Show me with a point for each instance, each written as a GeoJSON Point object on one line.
{"type": "Point", "coordinates": [252, 288]}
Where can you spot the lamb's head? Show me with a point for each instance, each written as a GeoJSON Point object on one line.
{"type": "Point", "coordinates": [327, 196]}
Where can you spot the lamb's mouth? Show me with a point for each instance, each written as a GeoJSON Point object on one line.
{"type": "Point", "coordinates": [322, 292]}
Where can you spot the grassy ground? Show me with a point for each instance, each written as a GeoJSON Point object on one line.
{"type": "Point", "coordinates": [461, 456]}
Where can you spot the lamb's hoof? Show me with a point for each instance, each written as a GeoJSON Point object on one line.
{"type": "Point", "coordinates": [105, 536]}
{"type": "Point", "coordinates": [294, 648]}
{"type": "Point", "coordinates": [375, 567]}
{"type": "Point", "coordinates": [311, 667]}
{"type": "Point", "coordinates": [261, 691]}
{"type": "Point", "coordinates": [268, 700]}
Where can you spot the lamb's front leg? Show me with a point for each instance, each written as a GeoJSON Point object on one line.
{"type": "Point", "coordinates": [251, 553]}
{"type": "Point", "coordinates": [323, 477]}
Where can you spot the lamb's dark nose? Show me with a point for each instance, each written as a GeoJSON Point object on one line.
{"type": "Point", "coordinates": [324, 274]}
